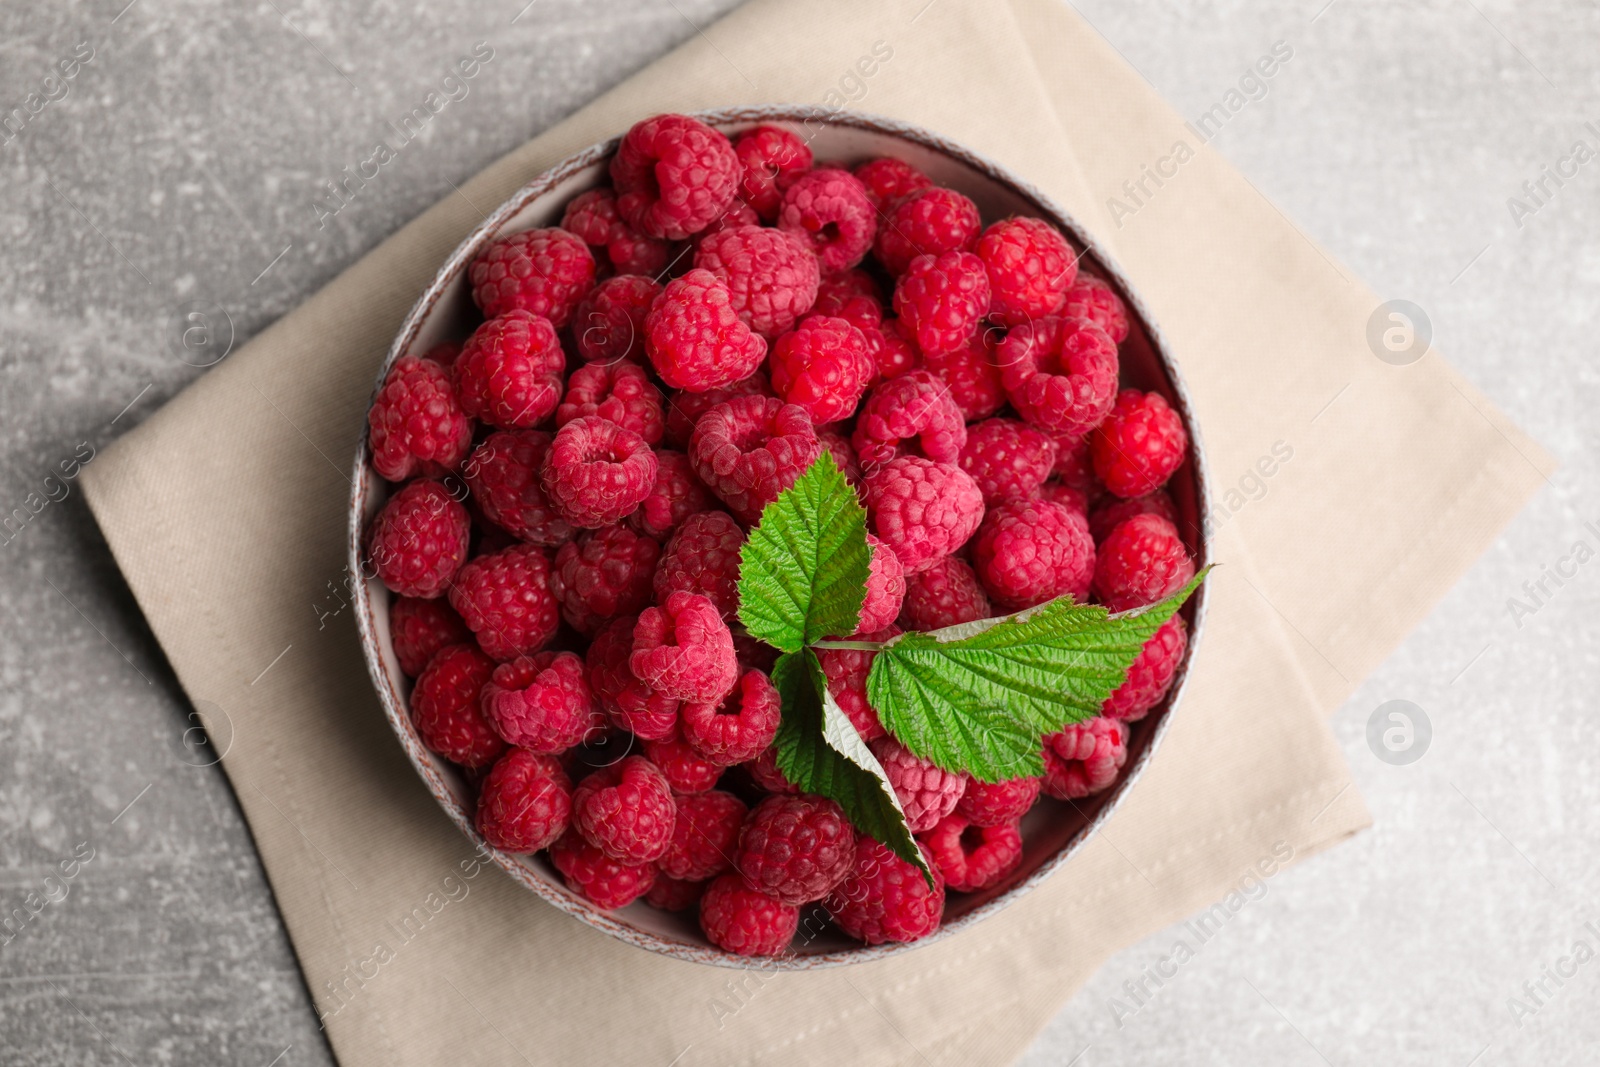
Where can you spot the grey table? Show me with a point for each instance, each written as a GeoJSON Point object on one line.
{"type": "Point", "coordinates": [184, 162]}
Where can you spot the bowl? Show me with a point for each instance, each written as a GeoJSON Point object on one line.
{"type": "Point", "coordinates": [1053, 831]}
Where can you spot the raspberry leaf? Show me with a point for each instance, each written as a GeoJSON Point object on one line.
{"type": "Point", "coordinates": [980, 696]}
{"type": "Point", "coordinates": [803, 569]}
{"type": "Point", "coordinates": [819, 751]}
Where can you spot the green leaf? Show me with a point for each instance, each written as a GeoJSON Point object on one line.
{"type": "Point", "coordinates": [820, 751]}
{"type": "Point", "coordinates": [803, 569]}
{"type": "Point", "coordinates": [978, 697]}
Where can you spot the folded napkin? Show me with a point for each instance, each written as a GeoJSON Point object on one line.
{"type": "Point", "coordinates": [226, 512]}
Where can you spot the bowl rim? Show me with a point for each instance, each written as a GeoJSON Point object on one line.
{"type": "Point", "coordinates": [394, 704]}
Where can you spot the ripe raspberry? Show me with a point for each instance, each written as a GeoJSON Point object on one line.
{"type": "Point", "coordinates": [669, 894]}
{"type": "Point", "coordinates": [525, 802]}
{"type": "Point", "coordinates": [751, 448]}
{"type": "Point", "coordinates": [444, 706]}
{"type": "Point", "coordinates": [1139, 444]}
{"type": "Point", "coordinates": [1060, 493]}
{"type": "Point", "coordinates": [608, 325]}
{"type": "Point", "coordinates": [923, 510]}
{"type": "Point", "coordinates": [771, 275]}
{"type": "Point", "coordinates": [997, 803]}
{"type": "Point", "coordinates": [930, 221]}
{"type": "Point", "coordinates": [884, 898]}
{"type": "Point", "coordinates": [685, 770]}
{"type": "Point", "coordinates": [1142, 561]}
{"type": "Point", "coordinates": [1150, 676]}
{"type": "Point", "coordinates": [417, 423]}
{"type": "Point", "coordinates": [1061, 374]}
{"type": "Point", "coordinates": [739, 213]}
{"type": "Point", "coordinates": [704, 836]}
{"type": "Point", "coordinates": [972, 375]}
{"type": "Point", "coordinates": [1093, 299]}
{"type": "Point", "coordinates": [765, 775]}
{"type": "Point", "coordinates": [626, 810]}
{"type": "Point", "coordinates": [703, 557]}
{"type": "Point", "coordinates": [914, 405]}
{"type": "Point", "coordinates": [674, 176]}
{"type": "Point", "coordinates": [886, 588]}
{"type": "Point", "coordinates": [1031, 266]}
{"type": "Point", "coordinates": [419, 628]}
{"type": "Point", "coordinates": [754, 654]}
{"type": "Point", "coordinates": [892, 352]}
{"type": "Point", "coordinates": [829, 209]}
{"type": "Point", "coordinates": [742, 921]}
{"type": "Point", "coordinates": [927, 793]}
{"type": "Point", "coordinates": [543, 272]}
{"type": "Point", "coordinates": [596, 472]}
{"type": "Point", "coordinates": [846, 670]}
{"type": "Point", "coordinates": [851, 295]}
{"type": "Point", "coordinates": [1074, 467]}
{"type": "Point", "coordinates": [676, 495]}
{"type": "Point", "coordinates": [445, 353]}
{"type": "Point", "coordinates": [505, 599]}
{"type": "Point", "coordinates": [823, 366]}
{"type": "Point", "coordinates": [973, 857]}
{"type": "Point", "coordinates": [695, 338]}
{"type": "Point", "coordinates": [503, 477]}
{"type": "Point", "coordinates": [614, 244]}
{"type": "Point", "coordinates": [941, 299]}
{"type": "Point", "coordinates": [737, 728]}
{"type": "Point", "coordinates": [886, 180]}
{"type": "Point", "coordinates": [602, 575]}
{"type": "Point", "coordinates": [944, 594]}
{"type": "Point", "coordinates": [542, 702]}
{"type": "Point", "coordinates": [684, 409]}
{"type": "Point", "coordinates": [651, 715]}
{"type": "Point", "coordinates": [509, 373]}
{"type": "Point", "coordinates": [1008, 459]}
{"type": "Point", "coordinates": [620, 392]}
{"type": "Point", "coordinates": [418, 541]}
{"type": "Point", "coordinates": [1032, 551]}
{"type": "Point", "coordinates": [844, 456]}
{"type": "Point", "coordinates": [770, 160]}
{"type": "Point", "coordinates": [1084, 759]}
{"type": "Point", "coordinates": [596, 877]}
{"type": "Point", "coordinates": [1114, 511]}
{"type": "Point", "coordinates": [684, 649]}
{"type": "Point", "coordinates": [795, 848]}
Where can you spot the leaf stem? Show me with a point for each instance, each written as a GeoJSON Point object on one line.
{"type": "Point", "coordinates": [861, 646]}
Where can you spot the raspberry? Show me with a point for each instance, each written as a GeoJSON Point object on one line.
{"type": "Point", "coordinates": [751, 448]}
{"type": "Point", "coordinates": [1139, 445]}
{"type": "Point", "coordinates": [419, 628]}
{"type": "Point", "coordinates": [1141, 562]}
{"type": "Point", "coordinates": [444, 706]}
{"type": "Point", "coordinates": [525, 802]}
{"type": "Point", "coordinates": [445, 353]}
{"type": "Point", "coordinates": [542, 702]}
{"type": "Point", "coordinates": [1061, 493]}
{"type": "Point", "coordinates": [695, 338]}
{"type": "Point", "coordinates": [887, 179]}
{"type": "Point", "coordinates": [884, 898]}
{"type": "Point", "coordinates": [973, 857]}
{"type": "Point", "coordinates": [1032, 551]}
{"type": "Point", "coordinates": [417, 424]}
{"type": "Point", "coordinates": [602, 575]}
{"type": "Point", "coordinates": [739, 213]}
{"type": "Point", "coordinates": [972, 375]}
{"type": "Point", "coordinates": [543, 272]}
{"type": "Point", "coordinates": [1113, 511]}
{"type": "Point", "coordinates": [923, 510]}
{"type": "Point", "coordinates": [941, 299]}
{"type": "Point", "coordinates": [503, 477]}
{"type": "Point", "coordinates": [823, 366]}
{"type": "Point", "coordinates": [737, 728]}
{"type": "Point", "coordinates": [418, 541]}
{"type": "Point", "coordinates": [929, 221]}
{"type": "Point", "coordinates": [927, 793]}
{"type": "Point", "coordinates": [829, 209]}
{"type": "Point", "coordinates": [626, 810]}
{"type": "Point", "coordinates": [795, 848]}
{"type": "Point", "coordinates": [764, 773]}
{"type": "Point", "coordinates": [620, 392]}
{"type": "Point", "coordinates": [613, 243]}
{"type": "Point", "coordinates": [509, 373]}
{"type": "Point", "coordinates": [1150, 676]}
{"type": "Point", "coordinates": [505, 599]}
{"type": "Point", "coordinates": [944, 594]}
{"type": "Point", "coordinates": [997, 803]}
{"type": "Point", "coordinates": [685, 770]}
{"type": "Point", "coordinates": [669, 894]}
{"type": "Point", "coordinates": [703, 557]}
{"type": "Point", "coordinates": [742, 921]}
{"type": "Point", "coordinates": [914, 405]}
{"type": "Point", "coordinates": [891, 350]}
{"type": "Point", "coordinates": [704, 836]}
{"type": "Point", "coordinates": [771, 275]}
{"type": "Point", "coordinates": [1061, 374]}
{"type": "Point", "coordinates": [754, 654]}
{"type": "Point", "coordinates": [596, 472]}
{"type": "Point", "coordinates": [770, 160]}
{"type": "Point", "coordinates": [1084, 759]}
{"type": "Point", "coordinates": [1093, 299]}
{"type": "Point", "coordinates": [596, 877]}
{"type": "Point", "coordinates": [608, 325]}
{"type": "Point", "coordinates": [651, 715]}
{"type": "Point", "coordinates": [684, 649]}
{"type": "Point", "coordinates": [1008, 459]}
{"type": "Point", "coordinates": [1030, 266]}
{"type": "Point", "coordinates": [886, 588]}
{"type": "Point", "coordinates": [844, 456]}
{"type": "Point", "coordinates": [674, 176]}
{"type": "Point", "coordinates": [846, 670]}
{"type": "Point", "coordinates": [1074, 467]}
{"type": "Point", "coordinates": [851, 295]}
{"type": "Point", "coordinates": [684, 409]}
{"type": "Point", "coordinates": [676, 495]}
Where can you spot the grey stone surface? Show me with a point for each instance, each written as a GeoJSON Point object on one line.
{"type": "Point", "coordinates": [186, 156]}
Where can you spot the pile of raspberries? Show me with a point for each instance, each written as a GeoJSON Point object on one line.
{"type": "Point", "coordinates": [575, 479]}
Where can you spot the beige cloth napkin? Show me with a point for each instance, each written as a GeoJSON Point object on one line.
{"type": "Point", "coordinates": [226, 512]}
